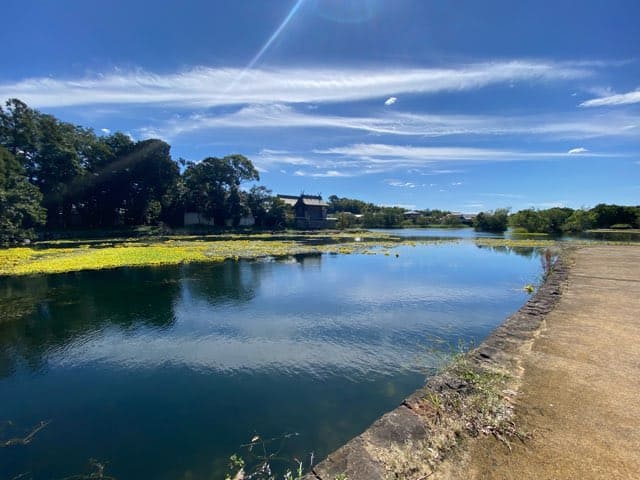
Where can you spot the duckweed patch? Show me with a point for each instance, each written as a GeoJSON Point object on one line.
{"type": "Point", "coordinates": [46, 258]}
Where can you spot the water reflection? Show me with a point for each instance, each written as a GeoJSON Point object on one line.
{"type": "Point", "coordinates": [166, 370]}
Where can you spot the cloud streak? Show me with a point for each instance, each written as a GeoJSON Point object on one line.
{"type": "Point", "coordinates": [405, 124]}
{"type": "Point", "coordinates": [614, 100]}
{"type": "Point", "coordinates": [209, 87]}
{"type": "Point", "coordinates": [371, 158]}
{"type": "Point", "coordinates": [577, 151]}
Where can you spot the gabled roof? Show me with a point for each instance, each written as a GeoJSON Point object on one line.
{"type": "Point", "coordinates": [308, 200]}
{"type": "Point", "coordinates": [313, 201]}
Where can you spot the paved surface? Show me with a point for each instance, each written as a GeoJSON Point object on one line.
{"type": "Point", "coordinates": [580, 396]}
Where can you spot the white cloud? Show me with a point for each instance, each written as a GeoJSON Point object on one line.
{"type": "Point", "coordinates": [404, 124]}
{"type": "Point", "coordinates": [615, 99]}
{"type": "Point", "coordinates": [456, 184]}
{"type": "Point", "coordinates": [329, 174]}
{"type": "Point", "coordinates": [208, 87]}
{"type": "Point", "coordinates": [390, 101]}
{"type": "Point", "coordinates": [414, 156]}
{"type": "Point", "coordinates": [372, 158]}
{"type": "Point", "coordinates": [399, 183]}
{"type": "Point", "coordinates": [106, 131]}
{"type": "Point", "coordinates": [577, 151]}
{"type": "Point", "coordinates": [270, 157]}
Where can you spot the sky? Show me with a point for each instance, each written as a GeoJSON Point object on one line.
{"type": "Point", "coordinates": [460, 105]}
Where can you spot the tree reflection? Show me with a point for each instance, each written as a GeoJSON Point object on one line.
{"type": "Point", "coordinates": [60, 308]}
{"type": "Point", "coordinates": [41, 313]}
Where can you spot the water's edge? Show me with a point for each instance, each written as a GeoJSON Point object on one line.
{"type": "Point", "coordinates": [399, 432]}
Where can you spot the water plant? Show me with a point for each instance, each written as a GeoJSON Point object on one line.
{"type": "Point", "coordinates": [261, 455]}
{"type": "Point", "coordinates": [64, 256]}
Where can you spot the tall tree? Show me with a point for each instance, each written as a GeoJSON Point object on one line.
{"type": "Point", "coordinates": [213, 186]}
{"type": "Point", "coordinates": [151, 173]}
{"type": "Point", "coordinates": [20, 209]}
{"type": "Point", "coordinates": [268, 210]}
{"type": "Point", "coordinates": [495, 221]}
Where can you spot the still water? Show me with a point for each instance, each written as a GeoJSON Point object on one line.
{"type": "Point", "coordinates": [163, 373]}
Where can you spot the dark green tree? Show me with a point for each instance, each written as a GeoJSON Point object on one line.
{"type": "Point", "coordinates": [20, 210]}
{"type": "Point", "coordinates": [613, 215]}
{"type": "Point", "coordinates": [213, 186]}
{"type": "Point", "coordinates": [529, 220]}
{"type": "Point", "coordinates": [495, 221]}
{"type": "Point", "coordinates": [268, 210]}
{"type": "Point", "coordinates": [338, 204]}
{"type": "Point", "coordinates": [151, 173]}
{"type": "Point", "coordinates": [579, 221]}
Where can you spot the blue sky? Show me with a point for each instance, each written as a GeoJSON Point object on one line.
{"type": "Point", "coordinates": [461, 105]}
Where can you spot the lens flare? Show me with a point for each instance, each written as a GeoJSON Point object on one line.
{"type": "Point", "coordinates": [269, 42]}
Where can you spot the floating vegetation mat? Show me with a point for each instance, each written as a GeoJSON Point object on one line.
{"type": "Point", "coordinates": [45, 258]}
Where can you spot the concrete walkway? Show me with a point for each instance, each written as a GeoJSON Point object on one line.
{"type": "Point", "coordinates": [580, 393]}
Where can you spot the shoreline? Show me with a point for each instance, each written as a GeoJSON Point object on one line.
{"type": "Point", "coordinates": [412, 440]}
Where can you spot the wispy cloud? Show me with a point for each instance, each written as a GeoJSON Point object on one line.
{"type": "Point", "coordinates": [325, 174]}
{"type": "Point", "coordinates": [577, 151]}
{"type": "Point", "coordinates": [570, 126]}
{"type": "Point", "coordinates": [270, 157]}
{"type": "Point", "coordinates": [208, 87]}
{"type": "Point", "coordinates": [415, 156]}
{"type": "Point", "coordinates": [390, 101]}
{"type": "Point", "coordinates": [615, 99]}
{"type": "Point", "coordinates": [399, 183]}
{"type": "Point", "coordinates": [371, 158]}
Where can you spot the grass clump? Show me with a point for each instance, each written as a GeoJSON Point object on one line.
{"type": "Point", "coordinates": [466, 399]}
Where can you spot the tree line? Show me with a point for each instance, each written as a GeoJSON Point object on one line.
{"type": "Point", "coordinates": [55, 175]}
{"type": "Point", "coordinates": [351, 212]}
{"type": "Point", "coordinates": [560, 220]}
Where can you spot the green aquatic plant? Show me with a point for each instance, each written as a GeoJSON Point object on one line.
{"type": "Point", "coordinates": [260, 456]}
{"type": "Point", "coordinates": [65, 257]}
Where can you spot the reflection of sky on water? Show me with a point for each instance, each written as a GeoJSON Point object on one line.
{"type": "Point", "coordinates": [326, 316]}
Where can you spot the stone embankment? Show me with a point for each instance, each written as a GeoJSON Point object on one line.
{"type": "Point", "coordinates": [551, 394]}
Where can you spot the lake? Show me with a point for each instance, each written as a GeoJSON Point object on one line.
{"type": "Point", "coordinates": [163, 373]}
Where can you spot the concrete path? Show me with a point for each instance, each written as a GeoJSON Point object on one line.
{"type": "Point", "coordinates": [580, 396]}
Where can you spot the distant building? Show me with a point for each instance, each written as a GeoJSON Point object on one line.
{"type": "Point", "coordinates": [410, 214]}
{"type": "Point", "coordinates": [463, 218]}
{"type": "Point", "coordinates": [310, 211]}
{"type": "Point", "coordinates": [195, 218]}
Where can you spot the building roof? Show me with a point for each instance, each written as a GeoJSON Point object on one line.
{"type": "Point", "coordinates": [309, 200]}
{"type": "Point", "coordinates": [313, 201]}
